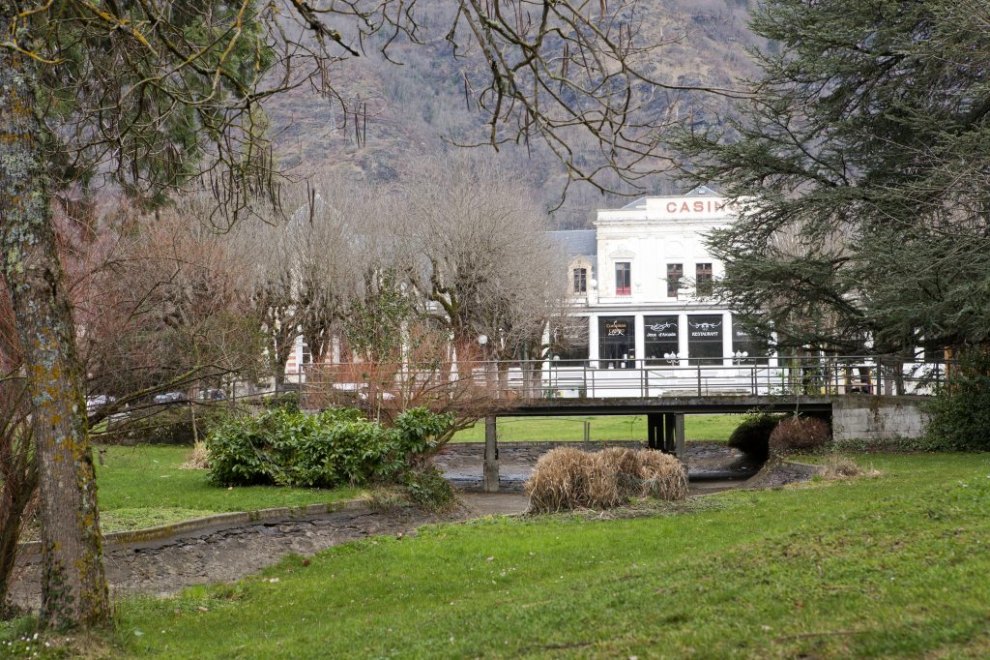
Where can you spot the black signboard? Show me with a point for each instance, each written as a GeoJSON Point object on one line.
{"type": "Point", "coordinates": [617, 341]}
{"type": "Point", "coordinates": [660, 335]}
{"type": "Point", "coordinates": [660, 328]}
{"type": "Point", "coordinates": [705, 338]}
{"type": "Point", "coordinates": [705, 328]}
{"type": "Point", "coordinates": [616, 328]}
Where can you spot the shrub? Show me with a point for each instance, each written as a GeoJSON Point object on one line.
{"type": "Point", "coordinates": [752, 436]}
{"type": "Point", "coordinates": [288, 401]}
{"type": "Point", "coordinates": [337, 446]}
{"type": "Point", "coordinates": [959, 414]}
{"type": "Point", "coordinates": [426, 487]}
{"type": "Point", "coordinates": [567, 478]}
{"type": "Point", "coordinates": [840, 467]}
{"type": "Point", "coordinates": [799, 434]}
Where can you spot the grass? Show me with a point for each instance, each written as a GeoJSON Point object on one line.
{"type": "Point", "coordinates": [603, 428]}
{"type": "Point", "coordinates": [888, 566]}
{"type": "Point", "coordinates": [144, 486]}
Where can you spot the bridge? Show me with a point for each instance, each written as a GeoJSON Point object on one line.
{"type": "Point", "coordinates": [663, 391]}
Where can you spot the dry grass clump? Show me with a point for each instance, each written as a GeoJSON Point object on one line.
{"type": "Point", "coordinates": [663, 476]}
{"type": "Point", "coordinates": [566, 478]}
{"type": "Point", "coordinates": [840, 467]}
{"type": "Point", "coordinates": [799, 434]}
{"type": "Point", "coordinates": [558, 480]}
{"type": "Point", "coordinates": [199, 459]}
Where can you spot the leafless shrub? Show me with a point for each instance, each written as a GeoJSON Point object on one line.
{"type": "Point", "coordinates": [840, 467]}
{"type": "Point", "coordinates": [567, 478]}
{"type": "Point", "coordinates": [799, 434]}
{"type": "Point", "coordinates": [199, 458]}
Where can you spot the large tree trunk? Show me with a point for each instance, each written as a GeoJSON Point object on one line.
{"type": "Point", "coordinates": [74, 588]}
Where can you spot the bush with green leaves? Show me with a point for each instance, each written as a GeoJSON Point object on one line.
{"type": "Point", "coordinates": [426, 487]}
{"type": "Point", "coordinates": [959, 414]}
{"type": "Point", "coordinates": [334, 447]}
{"type": "Point", "coordinates": [752, 436]}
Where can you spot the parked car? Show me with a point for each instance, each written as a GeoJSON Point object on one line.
{"type": "Point", "coordinates": [97, 401]}
{"type": "Point", "coordinates": [169, 397]}
{"type": "Point", "coordinates": [213, 394]}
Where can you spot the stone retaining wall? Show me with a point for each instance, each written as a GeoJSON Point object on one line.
{"type": "Point", "coordinates": [877, 420]}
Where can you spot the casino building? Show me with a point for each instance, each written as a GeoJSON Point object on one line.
{"type": "Point", "coordinates": [641, 284]}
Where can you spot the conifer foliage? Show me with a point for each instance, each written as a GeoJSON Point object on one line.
{"type": "Point", "coordinates": [861, 157]}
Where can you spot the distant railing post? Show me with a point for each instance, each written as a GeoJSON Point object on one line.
{"type": "Point", "coordinates": [699, 379]}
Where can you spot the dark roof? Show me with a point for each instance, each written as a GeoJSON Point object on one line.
{"type": "Point", "coordinates": [576, 242]}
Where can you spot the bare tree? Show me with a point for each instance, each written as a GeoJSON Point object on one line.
{"type": "Point", "coordinates": [150, 93]}
{"type": "Point", "coordinates": [304, 264]}
{"type": "Point", "coordinates": [485, 266]}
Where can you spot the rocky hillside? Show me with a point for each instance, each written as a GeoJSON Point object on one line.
{"type": "Point", "coordinates": [396, 114]}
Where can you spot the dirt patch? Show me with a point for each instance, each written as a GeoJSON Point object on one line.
{"type": "Point", "coordinates": [224, 555]}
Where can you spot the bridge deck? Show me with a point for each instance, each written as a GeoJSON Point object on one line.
{"type": "Point", "coordinates": [676, 405]}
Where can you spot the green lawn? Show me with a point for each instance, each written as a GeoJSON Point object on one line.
{"type": "Point", "coordinates": [144, 486]}
{"type": "Point", "coordinates": [603, 427]}
{"type": "Point", "coordinates": [889, 566]}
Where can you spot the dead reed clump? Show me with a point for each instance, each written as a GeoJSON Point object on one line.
{"type": "Point", "coordinates": [840, 467]}
{"type": "Point", "coordinates": [559, 480]}
{"type": "Point", "coordinates": [199, 459]}
{"type": "Point", "coordinates": [663, 476]}
{"type": "Point", "coordinates": [614, 477]}
{"type": "Point", "coordinates": [603, 479]}
{"type": "Point", "coordinates": [567, 478]}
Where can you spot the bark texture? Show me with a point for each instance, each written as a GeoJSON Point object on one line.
{"type": "Point", "coordinates": [74, 588]}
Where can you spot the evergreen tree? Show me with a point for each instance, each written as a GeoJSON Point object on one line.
{"type": "Point", "coordinates": [861, 159]}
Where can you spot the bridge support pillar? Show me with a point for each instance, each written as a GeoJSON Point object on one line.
{"type": "Point", "coordinates": [490, 480]}
{"type": "Point", "coordinates": [665, 432]}
{"type": "Point", "coordinates": [654, 430]}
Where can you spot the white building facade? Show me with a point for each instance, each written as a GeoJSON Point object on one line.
{"type": "Point", "coordinates": [641, 284]}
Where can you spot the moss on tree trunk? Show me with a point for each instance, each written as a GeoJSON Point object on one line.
{"type": "Point", "coordinates": [74, 588]}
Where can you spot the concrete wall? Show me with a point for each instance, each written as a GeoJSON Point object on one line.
{"type": "Point", "coordinates": [877, 419]}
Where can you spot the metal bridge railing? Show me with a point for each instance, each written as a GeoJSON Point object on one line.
{"type": "Point", "coordinates": [731, 376]}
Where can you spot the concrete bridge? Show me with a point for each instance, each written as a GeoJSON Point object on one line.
{"type": "Point", "coordinates": [853, 417]}
{"type": "Point", "coordinates": [865, 398]}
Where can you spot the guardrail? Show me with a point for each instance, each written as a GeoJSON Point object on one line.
{"type": "Point", "coordinates": [631, 378]}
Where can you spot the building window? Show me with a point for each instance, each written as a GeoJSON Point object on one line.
{"type": "Point", "coordinates": [580, 280]}
{"type": "Point", "coordinates": [569, 341]}
{"type": "Point", "coordinates": [705, 339]}
{"type": "Point", "coordinates": [623, 279]}
{"type": "Point", "coordinates": [674, 274]}
{"type": "Point", "coordinates": [617, 342]}
{"type": "Point", "coordinates": [703, 280]}
{"type": "Point", "coordinates": [660, 340]}
{"type": "Point", "coordinates": [746, 348]}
